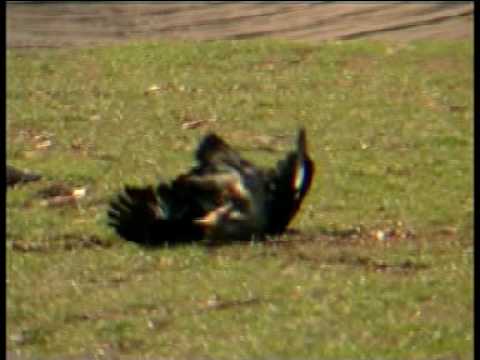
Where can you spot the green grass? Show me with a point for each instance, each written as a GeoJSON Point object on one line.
{"type": "Point", "coordinates": [390, 129]}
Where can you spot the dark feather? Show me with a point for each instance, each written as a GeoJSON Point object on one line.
{"type": "Point", "coordinates": [139, 216]}
{"type": "Point", "coordinates": [16, 176]}
{"type": "Point", "coordinates": [286, 190]}
{"type": "Point", "coordinates": [224, 197]}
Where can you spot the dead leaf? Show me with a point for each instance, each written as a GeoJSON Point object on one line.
{"type": "Point", "coordinates": [457, 108]}
{"type": "Point", "coordinates": [56, 189]}
{"type": "Point", "coordinates": [60, 201]}
{"type": "Point", "coordinates": [43, 145]}
{"type": "Point", "coordinates": [79, 193]}
{"type": "Point", "coordinates": [379, 235]}
{"type": "Point", "coordinates": [152, 89]}
{"type": "Point", "coordinates": [193, 124]}
{"type": "Point", "coordinates": [60, 194]}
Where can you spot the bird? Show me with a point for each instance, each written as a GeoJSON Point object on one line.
{"type": "Point", "coordinates": [222, 198]}
{"type": "Point", "coordinates": [16, 176]}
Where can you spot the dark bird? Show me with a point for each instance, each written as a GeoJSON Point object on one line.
{"type": "Point", "coordinates": [16, 176]}
{"type": "Point", "coordinates": [222, 198]}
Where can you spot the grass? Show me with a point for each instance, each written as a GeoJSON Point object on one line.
{"type": "Point", "coordinates": [390, 128]}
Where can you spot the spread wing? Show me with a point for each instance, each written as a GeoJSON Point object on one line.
{"type": "Point", "coordinates": [149, 217]}
{"type": "Point", "coordinates": [223, 196]}
{"type": "Point", "coordinates": [188, 207]}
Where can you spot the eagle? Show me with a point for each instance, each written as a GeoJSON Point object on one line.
{"type": "Point", "coordinates": [222, 198]}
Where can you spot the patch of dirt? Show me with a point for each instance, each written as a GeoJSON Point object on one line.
{"type": "Point", "coordinates": [62, 24]}
{"type": "Point", "coordinates": [64, 242]}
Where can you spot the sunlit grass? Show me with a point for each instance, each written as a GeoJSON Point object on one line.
{"type": "Point", "coordinates": [390, 129]}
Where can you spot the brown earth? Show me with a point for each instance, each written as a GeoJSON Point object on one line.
{"type": "Point", "coordinates": [57, 24]}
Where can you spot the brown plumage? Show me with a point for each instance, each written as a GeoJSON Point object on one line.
{"type": "Point", "coordinates": [224, 197]}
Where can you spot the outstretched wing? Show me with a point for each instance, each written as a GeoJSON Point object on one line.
{"type": "Point", "coordinates": [287, 186]}
{"type": "Point", "coordinates": [224, 196]}
{"type": "Point", "coordinates": [140, 216]}
{"type": "Point", "coordinates": [176, 212]}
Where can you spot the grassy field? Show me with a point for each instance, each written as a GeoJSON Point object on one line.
{"type": "Point", "coordinates": [380, 264]}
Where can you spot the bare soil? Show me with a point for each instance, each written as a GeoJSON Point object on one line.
{"type": "Point", "coordinates": [57, 24]}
